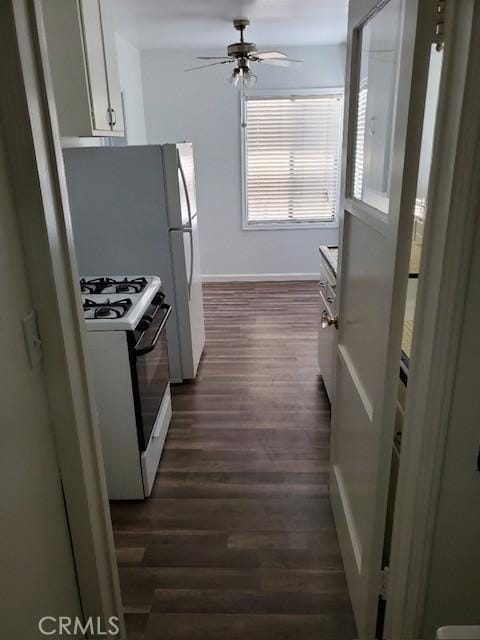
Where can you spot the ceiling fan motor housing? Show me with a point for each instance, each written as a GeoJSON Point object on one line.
{"type": "Point", "coordinates": [241, 49]}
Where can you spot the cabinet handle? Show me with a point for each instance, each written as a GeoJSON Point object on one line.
{"type": "Point", "coordinates": [112, 117]}
{"type": "Point", "coordinates": [328, 321]}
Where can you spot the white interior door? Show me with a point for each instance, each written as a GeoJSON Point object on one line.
{"type": "Point", "coordinates": [380, 166]}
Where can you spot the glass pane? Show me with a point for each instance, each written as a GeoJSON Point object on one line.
{"type": "Point", "coordinates": [375, 116]}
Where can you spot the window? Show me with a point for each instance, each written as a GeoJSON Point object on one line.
{"type": "Point", "coordinates": [374, 117]}
{"type": "Point", "coordinates": [292, 158]}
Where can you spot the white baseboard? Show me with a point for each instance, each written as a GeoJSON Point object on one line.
{"type": "Point", "coordinates": [260, 277]}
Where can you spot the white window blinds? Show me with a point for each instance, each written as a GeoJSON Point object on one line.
{"type": "Point", "coordinates": [360, 139]}
{"type": "Point", "coordinates": [292, 158]}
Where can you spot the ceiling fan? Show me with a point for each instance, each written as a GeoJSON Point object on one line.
{"type": "Point", "coordinates": [242, 54]}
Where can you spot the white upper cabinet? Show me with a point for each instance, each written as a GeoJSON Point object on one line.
{"type": "Point", "coordinates": [83, 60]}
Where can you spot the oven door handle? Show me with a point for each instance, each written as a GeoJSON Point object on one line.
{"type": "Point", "coordinates": [144, 350]}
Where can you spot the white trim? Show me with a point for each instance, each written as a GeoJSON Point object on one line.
{"type": "Point", "coordinates": [285, 226]}
{"type": "Point", "coordinates": [374, 218]}
{"type": "Point", "coordinates": [289, 226]}
{"type": "Point", "coordinates": [261, 277]}
{"type": "Point", "coordinates": [314, 91]}
{"type": "Point", "coordinates": [445, 268]}
{"type": "Point", "coordinates": [33, 143]}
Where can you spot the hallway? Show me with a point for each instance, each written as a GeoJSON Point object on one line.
{"type": "Point", "coordinates": [237, 540]}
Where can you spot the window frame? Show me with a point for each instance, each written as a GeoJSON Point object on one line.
{"type": "Point", "coordinates": [285, 93]}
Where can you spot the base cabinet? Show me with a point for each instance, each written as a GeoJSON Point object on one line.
{"type": "Point", "coordinates": [327, 345]}
{"type": "Point", "coordinates": [327, 333]}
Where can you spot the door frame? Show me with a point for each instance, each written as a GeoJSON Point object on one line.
{"type": "Point", "coordinates": [32, 141]}
{"type": "Point", "coordinates": [445, 265]}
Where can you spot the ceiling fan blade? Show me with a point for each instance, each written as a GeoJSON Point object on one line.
{"type": "Point", "coordinates": [280, 62]}
{"type": "Point", "coordinates": [214, 58]}
{"type": "Point", "coordinates": [269, 55]}
{"type": "Point", "coordinates": [204, 66]}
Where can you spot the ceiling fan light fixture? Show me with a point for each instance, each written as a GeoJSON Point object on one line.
{"type": "Point", "coordinates": [249, 80]}
{"type": "Point", "coordinates": [234, 79]}
{"type": "Point", "coordinates": [243, 78]}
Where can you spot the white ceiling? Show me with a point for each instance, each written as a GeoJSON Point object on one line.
{"type": "Point", "coordinates": [207, 24]}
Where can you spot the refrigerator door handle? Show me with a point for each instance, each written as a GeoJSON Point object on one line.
{"type": "Point", "coordinates": [190, 277]}
{"type": "Point", "coordinates": [190, 224]}
{"type": "Point", "coordinates": [185, 186]}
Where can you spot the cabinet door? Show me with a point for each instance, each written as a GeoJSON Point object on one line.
{"type": "Point", "coordinates": [111, 64]}
{"type": "Point", "coordinates": [96, 68]}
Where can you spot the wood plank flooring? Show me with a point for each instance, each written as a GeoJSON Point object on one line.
{"type": "Point", "coordinates": [237, 540]}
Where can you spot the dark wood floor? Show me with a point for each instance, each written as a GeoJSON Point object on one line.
{"type": "Point", "coordinates": [237, 541]}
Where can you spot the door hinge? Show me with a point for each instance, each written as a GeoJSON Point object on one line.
{"type": "Point", "coordinates": [384, 584]}
{"type": "Point", "coordinates": [439, 28]}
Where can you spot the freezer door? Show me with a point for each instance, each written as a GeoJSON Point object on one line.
{"type": "Point", "coordinates": [181, 195]}
{"type": "Point", "coordinates": [188, 297]}
{"type": "Point", "coordinates": [186, 164]}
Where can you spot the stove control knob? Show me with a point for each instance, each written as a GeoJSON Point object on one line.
{"type": "Point", "coordinates": [144, 323]}
{"type": "Point", "coordinates": [159, 298]}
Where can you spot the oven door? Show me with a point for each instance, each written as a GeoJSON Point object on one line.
{"type": "Point", "coordinates": [150, 373]}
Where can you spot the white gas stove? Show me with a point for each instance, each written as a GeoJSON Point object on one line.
{"type": "Point", "coordinates": [126, 319]}
{"type": "Point", "coordinates": [117, 303]}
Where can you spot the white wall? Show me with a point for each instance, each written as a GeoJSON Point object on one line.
{"type": "Point", "coordinates": [131, 86]}
{"type": "Point", "coordinates": [203, 108]}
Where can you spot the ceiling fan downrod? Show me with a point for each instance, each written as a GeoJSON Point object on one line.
{"type": "Point", "coordinates": [241, 49]}
{"type": "Point", "coordinates": [241, 25]}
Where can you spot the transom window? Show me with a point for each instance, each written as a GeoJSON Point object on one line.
{"type": "Point", "coordinates": [292, 158]}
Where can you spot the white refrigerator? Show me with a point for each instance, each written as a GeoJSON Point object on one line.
{"type": "Point", "coordinates": [134, 211]}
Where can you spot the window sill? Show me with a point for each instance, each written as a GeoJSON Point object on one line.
{"type": "Point", "coordinates": [289, 226]}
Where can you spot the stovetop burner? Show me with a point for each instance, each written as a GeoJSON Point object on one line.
{"type": "Point", "coordinates": [118, 302]}
{"type": "Point", "coordinates": [106, 309]}
{"type": "Point", "coordinates": [111, 285]}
